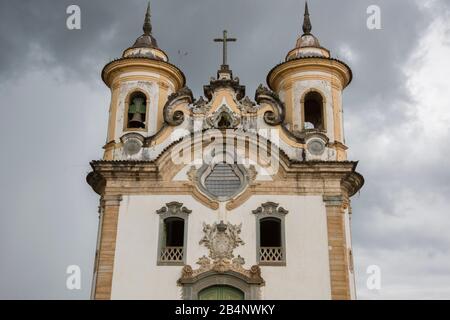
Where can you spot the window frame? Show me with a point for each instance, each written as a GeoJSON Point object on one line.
{"type": "Point", "coordinates": [270, 210]}
{"type": "Point", "coordinates": [172, 210]}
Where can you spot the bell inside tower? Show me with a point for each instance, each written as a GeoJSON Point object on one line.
{"type": "Point", "coordinates": [137, 111]}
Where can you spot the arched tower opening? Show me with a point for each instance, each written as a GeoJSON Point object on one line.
{"type": "Point", "coordinates": [137, 111]}
{"type": "Point", "coordinates": [313, 111]}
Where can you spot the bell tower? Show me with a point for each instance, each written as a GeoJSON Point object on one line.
{"type": "Point", "coordinates": [140, 83]}
{"type": "Point", "coordinates": [310, 83]}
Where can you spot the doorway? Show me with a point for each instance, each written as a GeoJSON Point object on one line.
{"type": "Point", "coordinates": [221, 293]}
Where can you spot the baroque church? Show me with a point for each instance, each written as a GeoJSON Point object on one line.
{"type": "Point", "coordinates": [224, 197]}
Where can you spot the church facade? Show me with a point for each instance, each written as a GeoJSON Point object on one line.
{"type": "Point", "coordinates": [223, 196]}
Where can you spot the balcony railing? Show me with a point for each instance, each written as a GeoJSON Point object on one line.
{"type": "Point", "coordinates": [172, 254]}
{"type": "Point", "coordinates": [271, 255]}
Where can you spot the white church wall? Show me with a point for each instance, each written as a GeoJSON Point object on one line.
{"type": "Point", "coordinates": [137, 276]}
{"type": "Point", "coordinates": [348, 241]}
{"type": "Point", "coordinates": [306, 274]}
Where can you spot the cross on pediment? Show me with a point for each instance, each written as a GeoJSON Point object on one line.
{"type": "Point", "coordinates": [225, 41]}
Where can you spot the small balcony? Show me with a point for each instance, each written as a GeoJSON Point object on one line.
{"type": "Point", "coordinates": [171, 255]}
{"type": "Point", "coordinates": [271, 256]}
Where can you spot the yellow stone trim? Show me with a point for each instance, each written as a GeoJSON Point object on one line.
{"type": "Point", "coordinates": [341, 150]}
{"type": "Point", "coordinates": [104, 265]}
{"type": "Point", "coordinates": [162, 98]}
{"type": "Point", "coordinates": [294, 76]}
{"type": "Point", "coordinates": [335, 68]}
{"type": "Point", "coordinates": [218, 97]}
{"type": "Point", "coordinates": [140, 64]}
{"type": "Point", "coordinates": [113, 114]}
{"type": "Point", "coordinates": [338, 252]}
{"type": "Point", "coordinates": [160, 81]}
{"type": "Point", "coordinates": [289, 97]}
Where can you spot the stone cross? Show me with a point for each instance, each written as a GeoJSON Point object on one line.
{"type": "Point", "coordinates": [225, 40]}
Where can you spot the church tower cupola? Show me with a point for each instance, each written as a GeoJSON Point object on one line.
{"type": "Point", "coordinates": [310, 84]}
{"type": "Point", "coordinates": [141, 82]}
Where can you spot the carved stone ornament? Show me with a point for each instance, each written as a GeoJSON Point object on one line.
{"type": "Point", "coordinates": [252, 275]}
{"type": "Point", "coordinates": [173, 208]}
{"type": "Point", "coordinates": [316, 142]}
{"type": "Point", "coordinates": [132, 143]}
{"type": "Point", "coordinates": [265, 95]}
{"type": "Point", "coordinates": [221, 239]}
{"type": "Point", "coordinates": [215, 84]}
{"type": "Point", "coordinates": [222, 118]}
{"type": "Point", "coordinates": [248, 106]}
{"type": "Point", "coordinates": [316, 147]}
{"type": "Point", "coordinates": [270, 208]}
{"type": "Point", "coordinates": [176, 117]}
{"type": "Point", "coordinates": [201, 106]}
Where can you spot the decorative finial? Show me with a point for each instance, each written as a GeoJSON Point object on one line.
{"type": "Point", "coordinates": [306, 21]}
{"type": "Point", "coordinates": [147, 24]}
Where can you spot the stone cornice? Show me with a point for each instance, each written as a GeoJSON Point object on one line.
{"type": "Point", "coordinates": [216, 84]}
{"type": "Point", "coordinates": [167, 68]}
{"type": "Point", "coordinates": [340, 68]}
{"type": "Point", "coordinates": [307, 177]}
{"type": "Point", "coordinates": [353, 182]}
{"type": "Point", "coordinates": [104, 170]}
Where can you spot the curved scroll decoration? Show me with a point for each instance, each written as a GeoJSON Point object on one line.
{"type": "Point", "coordinates": [265, 95]}
{"type": "Point", "coordinates": [223, 118]}
{"type": "Point", "coordinates": [175, 118]}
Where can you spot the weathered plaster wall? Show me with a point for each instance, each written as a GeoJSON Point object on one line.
{"type": "Point", "coordinates": [348, 241]}
{"type": "Point", "coordinates": [136, 274]}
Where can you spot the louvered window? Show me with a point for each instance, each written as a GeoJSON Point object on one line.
{"type": "Point", "coordinates": [223, 181]}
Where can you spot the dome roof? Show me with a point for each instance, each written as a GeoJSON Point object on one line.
{"type": "Point", "coordinates": [307, 40]}
{"type": "Point", "coordinates": [307, 44]}
{"type": "Point", "coordinates": [146, 45]}
{"type": "Point", "coordinates": [145, 41]}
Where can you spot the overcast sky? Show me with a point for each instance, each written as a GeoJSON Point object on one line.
{"type": "Point", "coordinates": [55, 108]}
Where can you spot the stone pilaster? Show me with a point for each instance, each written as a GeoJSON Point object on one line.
{"type": "Point", "coordinates": [337, 248]}
{"type": "Point", "coordinates": [109, 214]}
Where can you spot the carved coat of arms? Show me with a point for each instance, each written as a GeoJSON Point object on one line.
{"type": "Point", "coordinates": [221, 239]}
